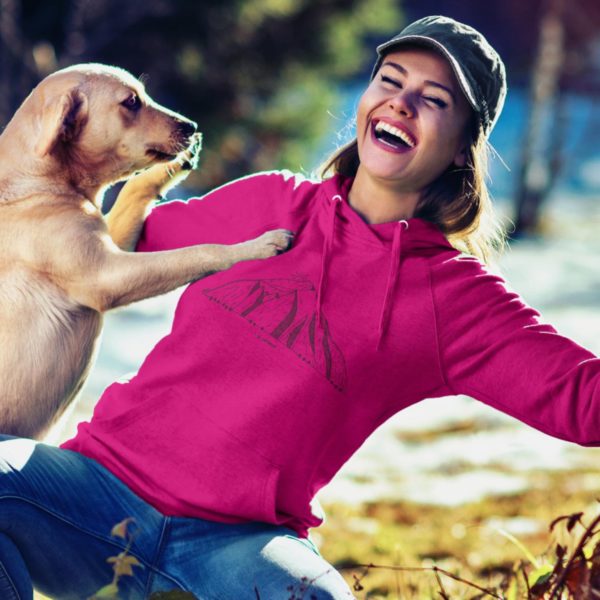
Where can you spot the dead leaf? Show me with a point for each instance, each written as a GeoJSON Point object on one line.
{"type": "Point", "coordinates": [124, 563]}
{"type": "Point", "coordinates": [108, 591]}
{"type": "Point", "coordinates": [120, 529]}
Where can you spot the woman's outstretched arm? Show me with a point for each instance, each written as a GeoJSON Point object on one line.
{"type": "Point", "coordinates": [495, 348]}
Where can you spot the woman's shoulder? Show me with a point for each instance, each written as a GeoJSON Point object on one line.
{"type": "Point", "coordinates": [455, 263]}
{"type": "Point", "coordinates": [282, 187]}
{"type": "Point", "coordinates": [278, 178]}
{"type": "Point", "coordinates": [457, 274]}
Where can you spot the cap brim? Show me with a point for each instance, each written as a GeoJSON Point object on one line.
{"type": "Point", "coordinates": [422, 40]}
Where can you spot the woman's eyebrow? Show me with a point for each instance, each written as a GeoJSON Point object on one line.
{"type": "Point", "coordinates": [402, 70]}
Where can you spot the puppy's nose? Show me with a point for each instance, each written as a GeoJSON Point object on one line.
{"type": "Point", "coordinates": [187, 128]}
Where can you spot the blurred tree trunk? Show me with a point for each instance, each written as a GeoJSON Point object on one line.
{"type": "Point", "coordinates": [17, 69]}
{"type": "Point", "coordinates": [112, 18]}
{"type": "Point", "coordinates": [541, 157]}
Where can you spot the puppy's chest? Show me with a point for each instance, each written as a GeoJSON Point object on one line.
{"type": "Point", "coordinates": [29, 297]}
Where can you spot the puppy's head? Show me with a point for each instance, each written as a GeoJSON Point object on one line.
{"type": "Point", "coordinates": [101, 119]}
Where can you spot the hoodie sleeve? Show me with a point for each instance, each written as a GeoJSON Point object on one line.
{"type": "Point", "coordinates": [235, 212]}
{"type": "Point", "coordinates": [494, 348]}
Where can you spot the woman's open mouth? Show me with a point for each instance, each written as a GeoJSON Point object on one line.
{"type": "Point", "coordinates": [391, 138]}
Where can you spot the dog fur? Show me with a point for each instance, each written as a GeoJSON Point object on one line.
{"type": "Point", "coordinates": [61, 263]}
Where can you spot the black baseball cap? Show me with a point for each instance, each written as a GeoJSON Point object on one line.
{"type": "Point", "coordinates": [477, 66]}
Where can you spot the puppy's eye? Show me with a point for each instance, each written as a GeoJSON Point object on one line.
{"type": "Point", "coordinates": [132, 103]}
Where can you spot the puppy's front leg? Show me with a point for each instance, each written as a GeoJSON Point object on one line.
{"type": "Point", "coordinates": [124, 277]}
{"type": "Point", "coordinates": [126, 218]}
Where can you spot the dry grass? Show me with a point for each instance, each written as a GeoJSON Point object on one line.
{"type": "Point", "coordinates": [465, 540]}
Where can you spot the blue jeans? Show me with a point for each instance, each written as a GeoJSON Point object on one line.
{"type": "Point", "coordinates": [57, 510]}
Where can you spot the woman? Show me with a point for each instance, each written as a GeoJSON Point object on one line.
{"type": "Point", "coordinates": [276, 371]}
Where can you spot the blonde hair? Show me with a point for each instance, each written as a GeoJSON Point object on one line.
{"type": "Point", "coordinates": [458, 201]}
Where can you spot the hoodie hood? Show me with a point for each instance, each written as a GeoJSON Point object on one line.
{"type": "Point", "coordinates": [406, 236]}
{"type": "Point", "coordinates": [422, 235]}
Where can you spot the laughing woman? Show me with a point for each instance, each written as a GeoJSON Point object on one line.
{"type": "Point", "coordinates": [275, 372]}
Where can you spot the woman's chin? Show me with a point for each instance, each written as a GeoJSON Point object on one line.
{"type": "Point", "coordinates": [387, 173]}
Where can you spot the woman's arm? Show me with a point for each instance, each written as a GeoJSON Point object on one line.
{"type": "Point", "coordinates": [494, 347]}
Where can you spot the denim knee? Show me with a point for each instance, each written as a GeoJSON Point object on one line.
{"type": "Point", "coordinates": [15, 454]}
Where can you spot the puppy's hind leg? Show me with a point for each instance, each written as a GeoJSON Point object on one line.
{"type": "Point", "coordinates": [126, 218]}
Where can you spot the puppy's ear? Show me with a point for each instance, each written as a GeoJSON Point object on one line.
{"type": "Point", "coordinates": [62, 119]}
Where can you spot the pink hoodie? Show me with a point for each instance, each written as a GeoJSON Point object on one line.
{"type": "Point", "coordinates": [277, 370]}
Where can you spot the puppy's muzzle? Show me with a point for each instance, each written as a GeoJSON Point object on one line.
{"type": "Point", "coordinates": [186, 129]}
{"type": "Point", "coordinates": [182, 135]}
{"type": "Point", "coordinates": [184, 132]}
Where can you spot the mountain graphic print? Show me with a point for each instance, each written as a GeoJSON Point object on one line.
{"type": "Point", "coordinates": [285, 309]}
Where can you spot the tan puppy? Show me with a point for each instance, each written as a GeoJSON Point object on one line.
{"type": "Point", "coordinates": [80, 130]}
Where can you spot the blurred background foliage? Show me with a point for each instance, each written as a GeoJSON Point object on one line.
{"type": "Point", "coordinates": [257, 75]}
{"type": "Point", "coordinates": [263, 77]}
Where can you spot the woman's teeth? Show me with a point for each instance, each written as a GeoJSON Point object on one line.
{"type": "Point", "coordinates": [393, 135]}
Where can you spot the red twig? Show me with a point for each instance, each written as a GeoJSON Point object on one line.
{"type": "Point", "coordinates": [560, 582]}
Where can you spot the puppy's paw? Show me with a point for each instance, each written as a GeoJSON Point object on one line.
{"type": "Point", "coordinates": [160, 178]}
{"type": "Point", "coordinates": [191, 155]}
{"type": "Point", "coordinates": [269, 244]}
{"type": "Point", "coordinates": [187, 160]}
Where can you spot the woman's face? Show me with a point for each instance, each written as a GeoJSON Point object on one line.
{"type": "Point", "coordinates": [411, 120]}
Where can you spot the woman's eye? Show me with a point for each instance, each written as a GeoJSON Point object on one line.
{"type": "Point", "coordinates": [390, 81]}
{"type": "Point", "coordinates": [436, 101]}
{"type": "Point", "coordinates": [132, 102]}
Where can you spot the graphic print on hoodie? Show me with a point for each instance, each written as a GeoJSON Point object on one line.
{"type": "Point", "coordinates": [276, 371]}
{"type": "Point", "coordinates": [284, 309]}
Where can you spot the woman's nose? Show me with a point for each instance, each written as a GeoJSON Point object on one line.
{"type": "Point", "coordinates": [402, 103]}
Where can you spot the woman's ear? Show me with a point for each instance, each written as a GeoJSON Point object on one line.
{"type": "Point", "coordinates": [460, 159]}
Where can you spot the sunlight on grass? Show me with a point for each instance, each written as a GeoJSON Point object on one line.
{"type": "Point", "coordinates": [465, 540]}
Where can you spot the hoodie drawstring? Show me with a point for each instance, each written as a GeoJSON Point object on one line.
{"type": "Point", "coordinates": [392, 276]}
{"type": "Point", "coordinates": [327, 245]}
{"type": "Point", "coordinates": [391, 282]}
